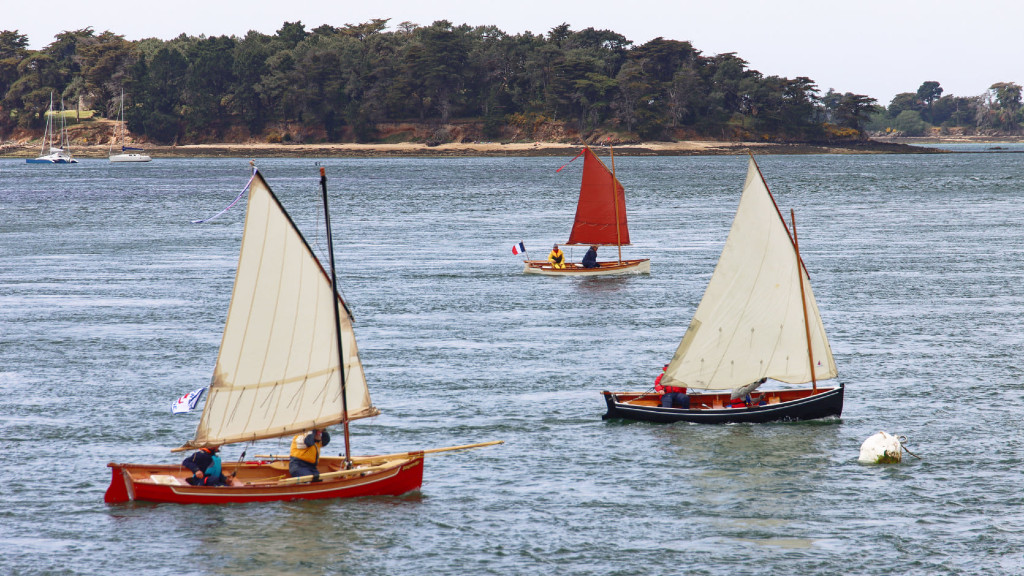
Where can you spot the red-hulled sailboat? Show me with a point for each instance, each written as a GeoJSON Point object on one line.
{"type": "Point", "coordinates": [279, 373]}
{"type": "Point", "coordinates": [600, 221]}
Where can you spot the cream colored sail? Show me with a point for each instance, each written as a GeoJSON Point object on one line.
{"type": "Point", "coordinates": [750, 322]}
{"type": "Point", "coordinates": [277, 370]}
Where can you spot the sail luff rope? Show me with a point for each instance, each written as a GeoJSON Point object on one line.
{"type": "Point", "coordinates": [776, 205]}
{"type": "Point", "coordinates": [233, 202]}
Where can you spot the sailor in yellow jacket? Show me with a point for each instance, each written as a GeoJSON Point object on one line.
{"type": "Point", "coordinates": [556, 257]}
{"type": "Point", "coordinates": [305, 454]}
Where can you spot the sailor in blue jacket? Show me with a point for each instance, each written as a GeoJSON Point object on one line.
{"type": "Point", "coordinates": [205, 467]}
{"type": "Point", "coordinates": [590, 258]}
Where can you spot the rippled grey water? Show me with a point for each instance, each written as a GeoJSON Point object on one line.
{"type": "Point", "coordinates": [111, 305]}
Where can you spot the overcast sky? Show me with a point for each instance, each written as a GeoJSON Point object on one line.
{"type": "Point", "coordinates": [873, 47]}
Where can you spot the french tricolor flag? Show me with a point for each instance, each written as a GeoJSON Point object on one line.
{"type": "Point", "coordinates": [518, 248]}
{"type": "Point", "coordinates": [187, 402]}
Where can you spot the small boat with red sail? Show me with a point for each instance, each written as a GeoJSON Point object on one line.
{"type": "Point", "coordinates": [757, 321]}
{"type": "Point", "coordinates": [288, 363]}
{"type": "Point", "coordinates": [600, 221]}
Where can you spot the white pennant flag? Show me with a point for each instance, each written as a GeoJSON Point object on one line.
{"type": "Point", "coordinates": [187, 402]}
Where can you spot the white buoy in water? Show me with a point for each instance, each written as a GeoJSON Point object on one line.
{"type": "Point", "coordinates": [882, 448]}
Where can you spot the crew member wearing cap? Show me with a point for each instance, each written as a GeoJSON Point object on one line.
{"type": "Point", "coordinates": [671, 396]}
{"type": "Point", "coordinates": [305, 454]}
{"type": "Point", "coordinates": [205, 466]}
{"type": "Point", "coordinates": [557, 257]}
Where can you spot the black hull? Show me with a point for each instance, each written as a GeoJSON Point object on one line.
{"type": "Point", "coordinates": [823, 405]}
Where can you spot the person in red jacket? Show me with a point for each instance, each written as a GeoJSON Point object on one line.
{"type": "Point", "coordinates": [671, 396]}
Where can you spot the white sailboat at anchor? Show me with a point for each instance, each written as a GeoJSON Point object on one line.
{"type": "Point", "coordinates": [60, 149]}
{"type": "Point", "coordinates": [127, 154]}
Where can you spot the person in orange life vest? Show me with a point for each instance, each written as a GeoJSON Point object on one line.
{"type": "Point", "coordinates": [205, 466]}
{"type": "Point", "coordinates": [671, 396]}
{"type": "Point", "coordinates": [305, 453]}
{"type": "Point", "coordinates": [556, 257]}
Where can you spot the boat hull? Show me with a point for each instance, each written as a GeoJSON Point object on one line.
{"type": "Point", "coordinates": [262, 482]}
{"type": "Point", "coordinates": [130, 158]}
{"type": "Point", "coordinates": [789, 405]}
{"type": "Point", "coordinates": [543, 267]}
{"type": "Point", "coordinates": [46, 160]}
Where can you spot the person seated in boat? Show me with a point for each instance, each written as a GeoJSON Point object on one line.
{"type": "Point", "coordinates": [590, 258]}
{"type": "Point", "coordinates": [741, 402]}
{"type": "Point", "coordinates": [671, 396]}
{"type": "Point", "coordinates": [557, 257]}
{"type": "Point", "coordinates": [205, 466]}
{"type": "Point", "coordinates": [744, 400]}
{"type": "Point", "coordinates": [305, 453]}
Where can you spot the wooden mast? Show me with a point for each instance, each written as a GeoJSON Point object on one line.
{"type": "Point", "coordinates": [615, 200]}
{"type": "Point", "coordinates": [803, 302]}
{"type": "Point", "coordinates": [337, 321]}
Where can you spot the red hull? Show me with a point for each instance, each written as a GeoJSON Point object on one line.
{"type": "Point", "coordinates": [258, 482]}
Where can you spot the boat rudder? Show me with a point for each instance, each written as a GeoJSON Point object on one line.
{"type": "Point", "coordinates": [117, 492]}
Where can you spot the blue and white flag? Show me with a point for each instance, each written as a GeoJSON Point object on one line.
{"type": "Point", "coordinates": [187, 402]}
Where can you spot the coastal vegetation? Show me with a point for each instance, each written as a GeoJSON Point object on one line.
{"type": "Point", "coordinates": [450, 83]}
{"type": "Point", "coordinates": [927, 112]}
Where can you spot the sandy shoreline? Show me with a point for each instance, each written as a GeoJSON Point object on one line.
{"type": "Point", "coordinates": [687, 148]}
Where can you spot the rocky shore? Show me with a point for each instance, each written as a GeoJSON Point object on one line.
{"type": "Point", "coordinates": [686, 148]}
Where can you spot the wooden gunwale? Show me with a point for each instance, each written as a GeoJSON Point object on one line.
{"type": "Point", "coordinates": [263, 481]}
{"type": "Point", "coordinates": [709, 400]}
{"type": "Point", "coordinates": [781, 405]}
{"type": "Point", "coordinates": [577, 269]}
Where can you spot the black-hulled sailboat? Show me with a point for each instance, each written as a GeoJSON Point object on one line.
{"type": "Point", "coordinates": [757, 320]}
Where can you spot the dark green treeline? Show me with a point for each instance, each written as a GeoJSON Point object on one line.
{"type": "Point", "coordinates": [343, 82]}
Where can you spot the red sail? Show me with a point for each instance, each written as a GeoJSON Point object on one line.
{"type": "Point", "coordinates": [598, 206]}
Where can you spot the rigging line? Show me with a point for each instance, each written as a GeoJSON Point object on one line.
{"type": "Point", "coordinates": [322, 251]}
{"type": "Point", "coordinates": [649, 392]}
{"type": "Point", "coordinates": [233, 202]}
{"type": "Point", "coordinates": [239, 463]}
{"type": "Point", "coordinates": [571, 161]}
